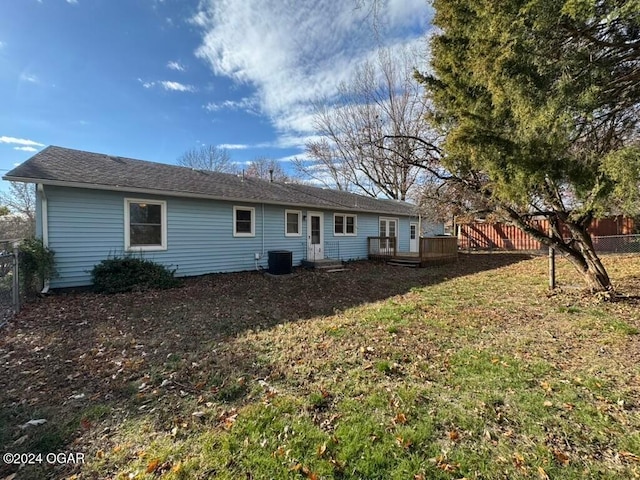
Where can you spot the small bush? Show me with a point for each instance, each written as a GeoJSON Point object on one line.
{"type": "Point", "coordinates": [36, 264]}
{"type": "Point", "coordinates": [123, 274]}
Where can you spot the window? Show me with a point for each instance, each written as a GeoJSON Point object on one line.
{"type": "Point", "coordinates": [344, 224]}
{"type": "Point", "coordinates": [293, 223]}
{"type": "Point", "coordinates": [145, 224]}
{"type": "Point", "coordinates": [388, 227]}
{"type": "Point", "coordinates": [244, 220]}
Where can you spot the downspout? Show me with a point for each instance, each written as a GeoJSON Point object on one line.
{"type": "Point", "coordinates": [44, 217]}
{"type": "Point", "coordinates": [262, 235]}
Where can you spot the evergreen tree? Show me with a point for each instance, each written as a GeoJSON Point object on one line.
{"type": "Point", "coordinates": [539, 103]}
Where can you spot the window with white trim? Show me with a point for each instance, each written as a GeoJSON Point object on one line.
{"type": "Point", "coordinates": [244, 222]}
{"type": "Point", "coordinates": [292, 223]}
{"type": "Point", "coordinates": [145, 224]}
{"type": "Point", "coordinates": [344, 224]}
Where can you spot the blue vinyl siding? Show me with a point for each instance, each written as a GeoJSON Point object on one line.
{"type": "Point", "coordinates": [87, 226]}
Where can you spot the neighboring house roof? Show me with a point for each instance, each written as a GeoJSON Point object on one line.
{"type": "Point", "coordinates": [77, 168]}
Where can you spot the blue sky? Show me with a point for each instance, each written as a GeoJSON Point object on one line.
{"type": "Point", "coordinates": [151, 79]}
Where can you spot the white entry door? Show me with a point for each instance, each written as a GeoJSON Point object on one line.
{"type": "Point", "coordinates": [413, 237]}
{"type": "Point", "coordinates": [315, 236]}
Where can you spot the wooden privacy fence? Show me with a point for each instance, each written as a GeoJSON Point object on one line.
{"type": "Point", "coordinates": [438, 249]}
{"type": "Point", "coordinates": [497, 236]}
{"type": "Point", "coordinates": [608, 234]}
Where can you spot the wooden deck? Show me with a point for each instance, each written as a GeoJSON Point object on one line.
{"type": "Point", "coordinates": [432, 251]}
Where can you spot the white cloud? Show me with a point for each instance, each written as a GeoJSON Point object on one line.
{"type": "Point", "coordinates": [27, 77]}
{"type": "Point", "coordinates": [73, 2]}
{"type": "Point", "coordinates": [168, 85]}
{"type": "Point", "coordinates": [146, 84]}
{"type": "Point", "coordinates": [2, 44]}
{"type": "Point", "coordinates": [177, 86]}
{"type": "Point", "coordinates": [26, 149]}
{"type": "Point", "coordinates": [233, 146]}
{"type": "Point", "coordinates": [247, 104]}
{"type": "Point", "coordinates": [175, 66]}
{"type": "Point", "coordinates": [292, 55]}
{"type": "Point", "coordinates": [20, 141]}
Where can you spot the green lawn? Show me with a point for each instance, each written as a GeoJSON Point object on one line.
{"type": "Point", "coordinates": [470, 371]}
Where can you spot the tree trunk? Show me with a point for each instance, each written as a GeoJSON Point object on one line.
{"type": "Point", "coordinates": [579, 250]}
{"type": "Point", "coordinates": [593, 272]}
{"type": "Point", "coordinates": [588, 262]}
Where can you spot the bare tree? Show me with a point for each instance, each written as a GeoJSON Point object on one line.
{"type": "Point", "coordinates": [208, 157]}
{"type": "Point", "coordinates": [381, 104]}
{"type": "Point", "coordinates": [21, 203]}
{"type": "Point", "coordinates": [267, 169]}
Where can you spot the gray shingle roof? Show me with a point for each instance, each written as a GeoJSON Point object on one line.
{"type": "Point", "coordinates": [64, 166]}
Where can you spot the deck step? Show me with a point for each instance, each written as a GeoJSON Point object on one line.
{"type": "Point", "coordinates": [404, 263]}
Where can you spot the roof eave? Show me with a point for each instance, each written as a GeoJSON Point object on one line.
{"type": "Point", "coordinates": [171, 193]}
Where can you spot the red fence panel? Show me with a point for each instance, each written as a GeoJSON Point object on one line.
{"type": "Point", "coordinates": [502, 236]}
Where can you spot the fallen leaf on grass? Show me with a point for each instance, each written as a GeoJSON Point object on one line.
{"type": "Point", "coordinates": [309, 474]}
{"type": "Point", "coordinates": [404, 444]}
{"type": "Point", "coordinates": [519, 462]}
{"type": "Point", "coordinates": [400, 419]}
{"type": "Point", "coordinates": [321, 449]}
{"type": "Point", "coordinates": [21, 440]}
{"type": "Point", "coordinates": [153, 465]}
{"type": "Point", "coordinates": [454, 435]}
{"type": "Point", "coordinates": [542, 475]}
{"type": "Point", "coordinates": [561, 457]}
{"type": "Point", "coordinates": [632, 457]}
{"type": "Point", "coordinates": [33, 423]}
{"type": "Point", "coordinates": [228, 418]}
{"type": "Point", "coordinates": [442, 463]}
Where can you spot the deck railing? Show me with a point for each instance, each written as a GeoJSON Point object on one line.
{"type": "Point", "coordinates": [381, 248]}
{"type": "Point", "coordinates": [430, 249]}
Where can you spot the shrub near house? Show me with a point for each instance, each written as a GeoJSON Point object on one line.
{"type": "Point", "coordinates": [123, 274]}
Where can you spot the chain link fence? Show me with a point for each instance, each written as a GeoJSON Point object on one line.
{"type": "Point", "coordinates": [617, 244]}
{"type": "Point", "coordinates": [9, 280]}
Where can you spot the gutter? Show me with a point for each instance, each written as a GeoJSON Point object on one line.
{"type": "Point", "coordinates": [45, 226]}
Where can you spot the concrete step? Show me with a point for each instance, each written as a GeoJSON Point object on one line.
{"type": "Point", "coordinates": [328, 264]}
{"type": "Point", "coordinates": [335, 270]}
{"type": "Point", "coordinates": [325, 264]}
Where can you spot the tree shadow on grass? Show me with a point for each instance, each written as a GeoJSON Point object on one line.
{"type": "Point", "coordinates": [86, 362]}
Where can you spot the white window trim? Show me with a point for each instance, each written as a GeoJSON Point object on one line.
{"type": "Point", "coordinates": [395, 219]}
{"type": "Point", "coordinates": [127, 226]}
{"type": "Point", "coordinates": [299, 213]}
{"type": "Point", "coordinates": [253, 222]}
{"type": "Point", "coordinates": [344, 217]}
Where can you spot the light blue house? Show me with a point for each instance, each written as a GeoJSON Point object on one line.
{"type": "Point", "coordinates": [92, 206]}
